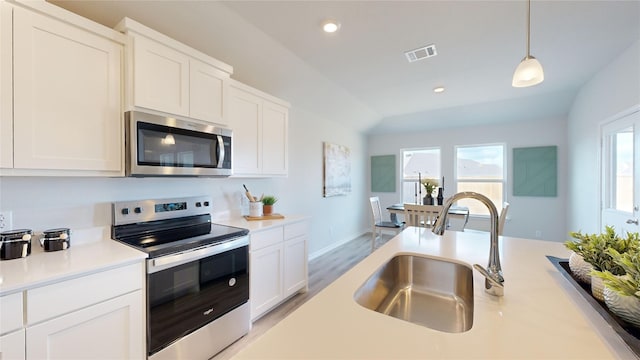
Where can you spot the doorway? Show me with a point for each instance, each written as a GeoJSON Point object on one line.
{"type": "Point", "coordinates": [621, 172]}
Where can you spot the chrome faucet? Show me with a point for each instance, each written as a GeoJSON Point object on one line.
{"type": "Point", "coordinates": [494, 282]}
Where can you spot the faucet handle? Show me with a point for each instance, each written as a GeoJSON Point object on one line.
{"type": "Point", "coordinates": [492, 285]}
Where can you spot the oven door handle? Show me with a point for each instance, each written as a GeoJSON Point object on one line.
{"type": "Point", "coordinates": [169, 261]}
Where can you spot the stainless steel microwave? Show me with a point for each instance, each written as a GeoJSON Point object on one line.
{"type": "Point", "coordinates": [168, 146]}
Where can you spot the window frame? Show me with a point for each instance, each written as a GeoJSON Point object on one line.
{"type": "Point", "coordinates": [402, 178]}
{"type": "Point", "coordinates": [503, 181]}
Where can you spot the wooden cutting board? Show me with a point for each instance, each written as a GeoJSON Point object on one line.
{"type": "Point", "coordinates": [264, 217]}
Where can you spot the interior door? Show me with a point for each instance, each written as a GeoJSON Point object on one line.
{"type": "Point", "coordinates": [621, 172]}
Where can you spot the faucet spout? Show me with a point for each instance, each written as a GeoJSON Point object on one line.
{"type": "Point", "coordinates": [494, 282]}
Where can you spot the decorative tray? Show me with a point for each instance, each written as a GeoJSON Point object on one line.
{"type": "Point", "coordinates": [628, 333]}
{"type": "Point", "coordinates": [264, 217]}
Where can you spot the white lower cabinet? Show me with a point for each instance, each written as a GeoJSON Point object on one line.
{"type": "Point", "coordinates": [12, 346]}
{"type": "Point", "coordinates": [96, 316]}
{"type": "Point", "coordinates": [266, 279]}
{"type": "Point", "coordinates": [108, 330]}
{"type": "Point", "coordinates": [278, 265]}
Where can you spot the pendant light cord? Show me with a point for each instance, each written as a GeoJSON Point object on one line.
{"type": "Point", "coordinates": [528, 28]}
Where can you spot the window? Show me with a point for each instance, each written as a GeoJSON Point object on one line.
{"type": "Point", "coordinates": [481, 169]}
{"type": "Point", "coordinates": [426, 162]}
{"type": "Point", "coordinates": [622, 170]}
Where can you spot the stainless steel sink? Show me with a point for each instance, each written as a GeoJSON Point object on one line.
{"type": "Point", "coordinates": [434, 293]}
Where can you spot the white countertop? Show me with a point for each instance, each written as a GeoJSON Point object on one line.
{"type": "Point", "coordinates": [258, 225]}
{"type": "Point", "coordinates": [540, 315]}
{"type": "Point", "coordinates": [42, 268]}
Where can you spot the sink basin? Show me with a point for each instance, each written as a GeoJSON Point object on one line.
{"type": "Point", "coordinates": [434, 293]}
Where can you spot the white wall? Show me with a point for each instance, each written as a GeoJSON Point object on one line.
{"type": "Point", "coordinates": [612, 90]}
{"type": "Point", "coordinates": [526, 214]}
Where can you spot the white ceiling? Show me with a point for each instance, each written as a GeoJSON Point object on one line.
{"type": "Point", "coordinates": [479, 44]}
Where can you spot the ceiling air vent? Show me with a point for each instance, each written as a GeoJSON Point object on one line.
{"type": "Point", "coordinates": [421, 53]}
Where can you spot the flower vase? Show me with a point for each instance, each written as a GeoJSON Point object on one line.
{"type": "Point", "coordinates": [580, 268]}
{"type": "Point", "coordinates": [440, 196]}
{"type": "Point", "coordinates": [625, 307]}
{"type": "Point", "coordinates": [267, 210]}
{"type": "Point", "coordinates": [597, 288]}
{"type": "Point", "coordinates": [428, 199]}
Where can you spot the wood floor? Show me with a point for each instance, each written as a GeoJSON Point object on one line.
{"type": "Point", "coordinates": [323, 270]}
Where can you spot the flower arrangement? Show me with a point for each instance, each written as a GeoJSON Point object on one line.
{"type": "Point", "coordinates": [430, 185]}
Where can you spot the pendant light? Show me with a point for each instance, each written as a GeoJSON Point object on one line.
{"type": "Point", "coordinates": [529, 72]}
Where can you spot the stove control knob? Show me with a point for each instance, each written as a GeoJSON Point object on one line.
{"type": "Point", "coordinates": [137, 210]}
{"type": "Point", "coordinates": [198, 204]}
{"type": "Point", "coordinates": [125, 211]}
{"type": "Point", "coordinates": [206, 203]}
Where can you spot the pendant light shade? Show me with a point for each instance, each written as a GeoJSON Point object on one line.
{"type": "Point", "coordinates": [529, 72]}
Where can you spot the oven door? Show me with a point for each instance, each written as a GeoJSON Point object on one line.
{"type": "Point", "coordinates": [185, 294]}
{"type": "Point", "coordinates": [164, 146]}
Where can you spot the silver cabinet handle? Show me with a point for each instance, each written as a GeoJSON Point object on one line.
{"type": "Point", "coordinates": [632, 221]}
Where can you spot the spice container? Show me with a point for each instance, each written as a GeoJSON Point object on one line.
{"type": "Point", "coordinates": [56, 239]}
{"type": "Point", "coordinates": [15, 244]}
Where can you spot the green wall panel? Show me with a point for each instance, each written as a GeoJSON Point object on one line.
{"type": "Point", "coordinates": [535, 171]}
{"type": "Point", "coordinates": [383, 173]}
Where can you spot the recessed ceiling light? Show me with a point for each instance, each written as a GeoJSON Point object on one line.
{"type": "Point", "coordinates": [438, 89]}
{"type": "Point", "coordinates": [330, 26]}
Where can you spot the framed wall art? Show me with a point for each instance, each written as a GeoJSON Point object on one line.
{"type": "Point", "coordinates": [336, 169]}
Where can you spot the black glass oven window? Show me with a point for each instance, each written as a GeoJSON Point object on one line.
{"type": "Point", "coordinates": [186, 297]}
{"type": "Point", "coordinates": [168, 146]}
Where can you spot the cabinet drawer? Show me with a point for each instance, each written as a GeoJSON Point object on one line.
{"type": "Point", "coordinates": [11, 310]}
{"type": "Point", "coordinates": [296, 229]}
{"type": "Point", "coordinates": [266, 238]}
{"type": "Point", "coordinates": [66, 296]}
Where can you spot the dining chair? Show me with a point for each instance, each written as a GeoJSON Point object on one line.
{"type": "Point", "coordinates": [421, 215]}
{"type": "Point", "coordinates": [379, 226]}
{"type": "Point", "coordinates": [503, 217]}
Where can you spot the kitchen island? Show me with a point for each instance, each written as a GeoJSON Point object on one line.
{"type": "Point", "coordinates": [540, 316]}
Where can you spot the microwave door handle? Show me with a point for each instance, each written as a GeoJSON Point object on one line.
{"type": "Point", "coordinates": [220, 151]}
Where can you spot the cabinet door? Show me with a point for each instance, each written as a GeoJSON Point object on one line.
{"type": "Point", "coordinates": [245, 113]}
{"type": "Point", "coordinates": [295, 265]}
{"type": "Point", "coordinates": [207, 92]}
{"type": "Point", "coordinates": [113, 329]}
{"type": "Point", "coordinates": [274, 139]}
{"type": "Point", "coordinates": [161, 77]}
{"type": "Point", "coordinates": [67, 96]}
{"type": "Point", "coordinates": [265, 279]}
{"type": "Point", "coordinates": [12, 346]}
{"type": "Point", "coordinates": [6, 86]}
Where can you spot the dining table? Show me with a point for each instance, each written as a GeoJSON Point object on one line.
{"type": "Point", "coordinates": [460, 213]}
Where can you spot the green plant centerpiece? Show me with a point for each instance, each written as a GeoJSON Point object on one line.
{"type": "Point", "coordinates": [593, 248]}
{"type": "Point", "coordinates": [622, 292]}
{"type": "Point", "coordinates": [267, 204]}
{"type": "Point", "coordinates": [429, 185]}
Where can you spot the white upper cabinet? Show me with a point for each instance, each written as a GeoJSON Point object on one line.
{"type": "Point", "coordinates": [260, 125]}
{"type": "Point", "coordinates": [66, 96]}
{"type": "Point", "coordinates": [207, 92]}
{"type": "Point", "coordinates": [167, 76]}
{"type": "Point", "coordinates": [6, 86]}
{"type": "Point", "coordinates": [160, 77]}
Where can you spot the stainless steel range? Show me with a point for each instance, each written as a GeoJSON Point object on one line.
{"type": "Point", "coordinates": [197, 275]}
